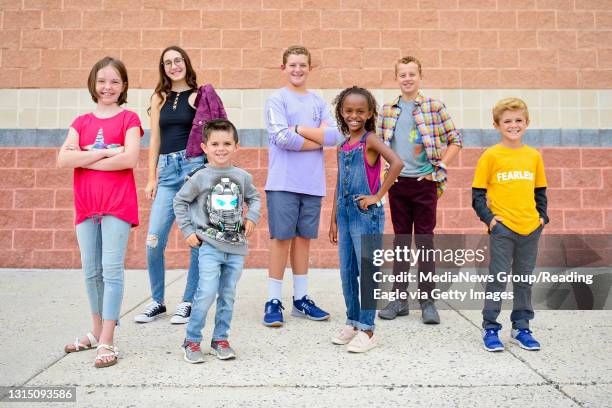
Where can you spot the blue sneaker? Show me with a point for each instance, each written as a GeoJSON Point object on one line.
{"type": "Point", "coordinates": [273, 313]}
{"type": "Point", "coordinates": [305, 307]}
{"type": "Point", "coordinates": [492, 341]}
{"type": "Point", "coordinates": [523, 338]}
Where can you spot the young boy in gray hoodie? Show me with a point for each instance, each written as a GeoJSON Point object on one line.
{"type": "Point", "coordinates": [209, 210]}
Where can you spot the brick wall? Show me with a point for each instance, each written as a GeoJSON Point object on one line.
{"type": "Point", "coordinates": [36, 209]}
{"type": "Point", "coordinates": [237, 43]}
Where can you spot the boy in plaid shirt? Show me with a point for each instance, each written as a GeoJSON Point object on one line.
{"type": "Point", "coordinates": [421, 132]}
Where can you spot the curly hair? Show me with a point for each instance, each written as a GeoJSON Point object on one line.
{"type": "Point", "coordinates": [370, 124]}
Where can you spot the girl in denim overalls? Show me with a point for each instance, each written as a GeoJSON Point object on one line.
{"type": "Point", "coordinates": [357, 206]}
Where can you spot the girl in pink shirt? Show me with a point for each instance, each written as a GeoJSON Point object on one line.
{"type": "Point", "coordinates": [103, 148]}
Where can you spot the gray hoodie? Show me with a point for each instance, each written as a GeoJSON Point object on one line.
{"type": "Point", "coordinates": [210, 204]}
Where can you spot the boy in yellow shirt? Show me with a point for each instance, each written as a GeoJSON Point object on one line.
{"type": "Point", "coordinates": [511, 175]}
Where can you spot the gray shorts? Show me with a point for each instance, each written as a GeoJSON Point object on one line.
{"type": "Point", "coordinates": [293, 215]}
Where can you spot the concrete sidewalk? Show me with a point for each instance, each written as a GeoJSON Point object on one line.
{"type": "Point", "coordinates": [417, 365]}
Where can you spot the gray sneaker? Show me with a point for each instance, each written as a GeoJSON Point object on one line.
{"type": "Point", "coordinates": [192, 352]}
{"type": "Point", "coordinates": [222, 349]}
{"type": "Point", "coordinates": [394, 309]}
{"type": "Point", "coordinates": [429, 313]}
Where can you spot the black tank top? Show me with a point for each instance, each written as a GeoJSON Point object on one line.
{"type": "Point", "coordinates": [175, 120]}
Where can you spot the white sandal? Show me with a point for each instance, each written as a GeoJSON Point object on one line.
{"type": "Point", "coordinates": [114, 352]}
{"type": "Point", "coordinates": [78, 346]}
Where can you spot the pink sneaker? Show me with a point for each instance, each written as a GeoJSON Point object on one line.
{"type": "Point", "coordinates": [362, 343]}
{"type": "Point", "coordinates": [345, 335]}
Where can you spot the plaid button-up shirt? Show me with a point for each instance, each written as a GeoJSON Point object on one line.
{"type": "Point", "coordinates": [433, 123]}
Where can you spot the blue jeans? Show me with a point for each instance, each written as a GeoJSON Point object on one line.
{"type": "Point", "coordinates": [102, 242]}
{"type": "Point", "coordinates": [219, 274]}
{"type": "Point", "coordinates": [172, 169]}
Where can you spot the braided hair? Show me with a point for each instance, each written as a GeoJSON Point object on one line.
{"type": "Point", "coordinates": [370, 124]}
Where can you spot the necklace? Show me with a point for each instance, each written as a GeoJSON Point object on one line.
{"type": "Point", "coordinates": [176, 99]}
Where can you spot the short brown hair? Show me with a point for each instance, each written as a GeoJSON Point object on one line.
{"type": "Point", "coordinates": [296, 50]}
{"type": "Point", "coordinates": [219, 125]}
{"type": "Point", "coordinates": [407, 60]}
{"type": "Point", "coordinates": [509, 104]}
{"type": "Point", "coordinates": [119, 67]}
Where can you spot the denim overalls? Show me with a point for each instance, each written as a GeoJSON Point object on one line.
{"type": "Point", "coordinates": [352, 223]}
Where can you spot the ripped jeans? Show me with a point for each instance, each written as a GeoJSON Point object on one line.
{"type": "Point", "coordinates": [172, 169]}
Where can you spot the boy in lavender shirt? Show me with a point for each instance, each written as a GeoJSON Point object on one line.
{"type": "Point", "coordinates": [295, 185]}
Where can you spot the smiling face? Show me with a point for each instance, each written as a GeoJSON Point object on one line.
{"type": "Point", "coordinates": [408, 78]}
{"type": "Point", "coordinates": [512, 126]}
{"type": "Point", "coordinates": [296, 70]}
{"type": "Point", "coordinates": [219, 148]}
{"type": "Point", "coordinates": [174, 65]}
{"type": "Point", "coordinates": [355, 112]}
{"type": "Point", "coordinates": [108, 85]}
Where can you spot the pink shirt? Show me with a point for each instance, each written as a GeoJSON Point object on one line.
{"type": "Point", "coordinates": [372, 172]}
{"type": "Point", "coordinates": [105, 192]}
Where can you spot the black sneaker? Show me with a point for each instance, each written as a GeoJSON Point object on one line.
{"type": "Point", "coordinates": [152, 312]}
{"type": "Point", "coordinates": [181, 316]}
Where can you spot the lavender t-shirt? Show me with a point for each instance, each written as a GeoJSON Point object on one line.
{"type": "Point", "coordinates": [289, 168]}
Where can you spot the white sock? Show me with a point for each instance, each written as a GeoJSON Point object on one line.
{"type": "Point", "coordinates": [275, 287]}
{"type": "Point", "coordinates": [300, 286]}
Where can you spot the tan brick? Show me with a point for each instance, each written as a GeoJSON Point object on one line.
{"type": "Point", "coordinates": [272, 78]}
{"type": "Point", "coordinates": [242, 4]}
{"type": "Point", "coordinates": [77, 78]}
{"type": "Point", "coordinates": [438, 4]}
{"type": "Point", "coordinates": [429, 58]}
{"type": "Point", "coordinates": [557, 39]}
{"type": "Point", "coordinates": [604, 58]}
{"type": "Point", "coordinates": [101, 20]}
{"type": "Point", "coordinates": [344, 19]}
{"type": "Point", "coordinates": [353, 4]}
{"type": "Point", "coordinates": [22, 19]}
{"type": "Point", "coordinates": [62, 19]}
{"type": "Point", "coordinates": [282, 4]}
{"type": "Point", "coordinates": [555, 4]}
{"type": "Point", "coordinates": [419, 19]}
{"type": "Point", "coordinates": [399, 4]}
{"type": "Point", "coordinates": [441, 78]}
{"type": "Point", "coordinates": [593, 5]}
{"type": "Point", "coordinates": [477, 4]}
{"type": "Point", "coordinates": [380, 57]}
{"type": "Point", "coordinates": [516, 4]}
{"type": "Point", "coordinates": [578, 20]}
{"type": "Point", "coordinates": [163, 4]}
{"type": "Point", "coordinates": [241, 78]}
{"type": "Point", "coordinates": [222, 19]}
{"type": "Point", "coordinates": [10, 5]}
{"type": "Point", "coordinates": [181, 18]}
{"type": "Point", "coordinates": [209, 76]}
{"type": "Point", "coordinates": [578, 58]}
{"type": "Point", "coordinates": [221, 58]}
{"type": "Point", "coordinates": [122, 38]}
{"type": "Point", "coordinates": [41, 38]}
{"type": "Point", "coordinates": [479, 78]}
{"type": "Point", "coordinates": [81, 39]}
{"type": "Point", "coordinates": [341, 58]}
{"type": "Point", "coordinates": [361, 38]}
{"type": "Point", "coordinates": [279, 38]}
{"type": "Point", "coordinates": [157, 38]}
{"type": "Point", "coordinates": [123, 5]}
{"type": "Point", "coordinates": [603, 20]}
{"type": "Point", "coordinates": [60, 58]}
{"type": "Point", "coordinates": [201, 38]}
{"type": "Point", "coordinates": [404, 39]}
{"type": "Point", "coordinates": [519, 78]}
{"type": "Point", "coordinates": [478, 39]}
{"type": "Point", "coordinates": [139, 19]}
{"type": "Point", "coordinates": [497, 20]}
{"type": "Point", "coordinates": [261, 58]}
{"type": "Point", "coordinates": [241, 38]}
{"type": "Point", "coordinates": [594, 39]}
{"type": "Point", "coordinates": [381, 19]}
{"type": "Point", "coordinates": [11, 78]}
{"type": "Point", "coordinates": [203, 4]}
{"type": "Point", "coordinates": [138, 58]}
{"type": "Point", "coordinates": [324, 78]}
{"type": "Point", "coordinates": [10, 39]}
{"type": "Point", "coordinates": [538, 58]}
{"type": "Point", "coordinates": [90, 56]}
{"type": "Point", "coordinates": [518, 39]}
{"type": "Point", "coordinates": [21, 59]}
{"type": "Point", "coordinates": [439, 38]}
{"type": "Point", "coordinates": [594, 79]}
{"type": "Point", "coordinates": [460, 58]}
{"type": "Point", "coordinates": [40, 78]}
{"type": "Point", "coordinates": [266, 19]}
{"type": "Point", "coordinates": [552, 79]}
{"type": "Point", "coordinates": [459, 19]}
{"type": "Point", "coordinates": [83, 4]}
{"type": "Point", "coordinates": [366, 78]}
{"type": "Point", "coordinates": [321, 38]}
{"type": "Point", "coordinates": [303, 19]}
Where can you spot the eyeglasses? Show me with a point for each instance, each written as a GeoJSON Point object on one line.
{"type": "Point", "coordinates": [176, 61]}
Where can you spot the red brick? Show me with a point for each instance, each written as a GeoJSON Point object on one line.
{"type": "Point", "coordinates": [608, 220]}
{"type": "Point", "coordinates": [41, 38]}
{"type": "Point", "coordinates": [10, 219]}
{"type": "Point", "coordinates": [221, 19]}
{"type": "Point", "coordinates": [497, 20]}
{"type": "Point", "coordinates": [53, 259]}
{"type": "Point", "coordinates": [62, 19]}
{"type": "Point", "coordinates": [101, 20]}
{"type": "Point", "coordinates": [351, 4]}
{"type": "Point", "coordinates": [554, 178]}
{"type": "Point", "coordinates": [465, 218]}
{"type": "Point", "coordinates": [11, 78]}
{"type": "Point", "coordinates": [596, 155]}
{"type": "Point", "coordinates": [268, 19]}
{"type": "Point", "coordinates": [163, 4]}
{"type": "Point", "coordinates": [538, 58]}
{"type": "Point", "coordinates": [241, 39]}
{"type": "Point", "coordinates": [20, 178]}
{"type": "Point", "coordinates": [575, 20]}
{"type": "Point", "coordinates": [563, 198]}
{"type": "Point", "coordinates": [536, 20]}
{"type": "Point", "coordinates": [479, 39]}
{"type": "Point", "coordinates": [52, 178]}
{"type": "Point", "coordinates": [381, 19]}
{"type": "Point", "coordinates": [33, 198]}
{"type": "Point", "coordinates": [436, 38]}
{"type": "Point", "coordinates": [361, 38]}
{"type": "Point", "coordinates": [516, 4]}
{"type": "Point", "coordinates": [6, 199]}
{"type": "Point", "coordinates": [37, 158]}
{"type": "Point", "coordinates": [81, 39]}
{"type": "Point", "coordinates": [59, 58]}
{"type": "Point", "coordinates": [557, 39]}
{"type": "Point", "coordinates": [64, 239]}
{"type": "Point", "coordinates": [6, 239]}
{"type": "Point", "coordinates": [33, 239]}
{"type": "Point", "coordinates": [477, 4]}
{"type": "Point", "coordinates": [21, 59]}
{"type": "Point", "coordinates": [420, 19]}
{"type": "Point", "coordinates": [460, 19]}
{"type": "Point", "coordinates": [279, 39]}
{"type": "Point", "coordinates": [594, 79]}
{"type": "Point", "coordinates": [460, 58]}
{"type": "Point", "coordinates": [246, 158]}
{"type": "Point", "coordinates": [39, 78]}
{"type": "Point", "coordinates": [597, 198]}
{"type": "Point", "coordinates": [603, 20]}
{"type": "Point", "coordinates": [450, 199]}
{"type": "Point", "coordinates": [139, 19]}
{"type": "Point", "coordinates": [583, 219]}
{"type": "Point", "coordinates": [8, 157]}
{"type": "Point", "coordinates": [517, 39]}
{"type": "Point", "coordinates": [380, 58]}
{"type": "Point", "coordinates": [22, 19]}
{"type": "Point", "coordinates": [594, 39]}
{"type": "Point", "coordinates": [321, 38]}
{"type": "Point", "coordinates": [303, 19]}
{"type": "Point", "coordinates": [594, 5]}
{"type": "Point", "coordinates": [555, 4]}
{"type": "Point", "coordinates": [181, 18]}
{"type": "Point", "coordinates": [404, 39]}
{"type": "Point", "coordinates": [83, 4]}
{"type": "Point", "coordinates": [153, 38]}
{"type": "Point", "coordinates": [53, 219]}
{"type": "Point", "coordinates": [16, 259]}
{"type": "Point", "coordinates": [344, 19]}
{"type": "Point", "coordinates": [577, 58]}
{"type": "Point", "coordinates": [245, 78]}
{"type": "Point", "coordinates": [202, 38]}
{"type": "Point", "coordinates": [560, 158]}
{"type": "Point", "coordinates": [10, 39]}
{"type": "Point", "coordinates": [282, 4]}
{"type": "Point", "coordinates": [123, 5]}
{"type": "Point", "coordinates": [585, 178]}
{"type": "Point", "coordinates": [498, 58]}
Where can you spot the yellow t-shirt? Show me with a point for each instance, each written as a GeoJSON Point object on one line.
{"type": "Point", "coordinates": [510, 177]}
